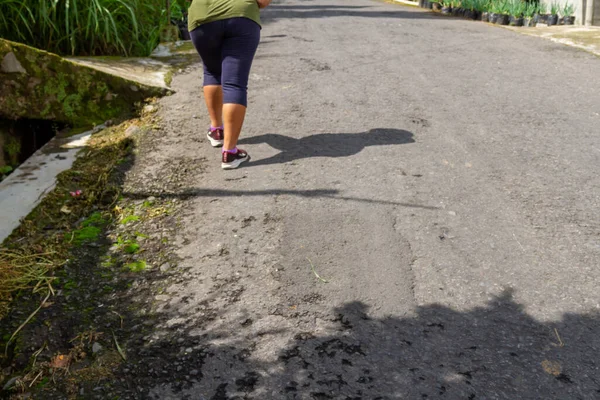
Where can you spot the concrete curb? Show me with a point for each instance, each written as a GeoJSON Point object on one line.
{"type": "Point", "coordinates": [408, 3]}
{"type": "Point", "coordinates": [23, 190]}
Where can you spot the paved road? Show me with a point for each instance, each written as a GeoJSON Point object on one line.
{"type": "Point", "coordinates": [440, 174]}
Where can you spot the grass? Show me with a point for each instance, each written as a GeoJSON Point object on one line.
{"type": "Point", "coordinates": [47, 237]}
{"type": "Point", "coordinates": [137, 266]}
{"type": "Point", "coordinates": [85, 27]}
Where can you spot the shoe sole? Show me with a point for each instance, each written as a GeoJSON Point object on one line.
{"type": "Point", "coordinates": [215, 143]}
{"type": "Point", "coordinates": [235, 164]}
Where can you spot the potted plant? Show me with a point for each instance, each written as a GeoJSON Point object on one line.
{"type": "Point", "coordinates": [484, 10]}
{"type": "Point", "coordinates": [477, 6]}
{"type": "Point", "coordinates": [446, 6]}
{"type": "Point", "coordinates": [436, 5]}
{"type": "Point", "coordinates": [467, 6]}
{"type": "Point", "coordinates": [541, 15]}
{"type": "Point", "coordinates": [517, 8]}
{"type": "Point", "coordinates": [456, 10]}
{"type": "Point", "coordinates": [553, 18]}
{"type": "Point", "coordinates": [503, 11]}
{"type": "Point", "coordinates": [568, 14]}
{"type": "Point", "coordinates": [528, 14]}
{"type": "Point", "coordinates": [493, 13]}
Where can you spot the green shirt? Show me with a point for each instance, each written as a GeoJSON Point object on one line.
{"type": "Point", "coordinates": [204, 11]}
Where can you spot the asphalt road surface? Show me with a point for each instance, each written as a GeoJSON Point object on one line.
{"type": "Point", "coordinates": [440, 176]}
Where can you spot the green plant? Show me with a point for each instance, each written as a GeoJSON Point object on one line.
{"type": "Point", "coordinates": [554, 8]}
{"type": "Point", "coordinates": [517, 8]}
{"type": "Point", "coordinates": [568, 10]}
{"type": "Point", "coordinates": [530, 10]}
{"type": "Point", "coordinates": [130, 218]}
{"type": "Point", "coordinates": [90, 230]}
{"type": "Point", "coordinates": [12, 148]}
{"type": "Point", "coordinates": [7, 169]}
{"type": "Point", "coordinates": [481, 5]}
{"type": "Point", "coordinates": [132, 248]}
{"type": "Point", "coordinates": [137, 266]}
{"type": "Point", "coordinates": [504, 8]}
{"type": "Point", "coordinates": [85, 235]}
{"type": "Point", "coordinates": [469, 5]}
{"type": "Point", "coordinates": [542, 8]}
{"type": "Point", "coordinates": [89, 27]}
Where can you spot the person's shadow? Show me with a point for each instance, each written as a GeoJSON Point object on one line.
{"type": "Point", "coordinates": [326, 144]}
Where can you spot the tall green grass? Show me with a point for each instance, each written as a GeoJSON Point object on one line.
{"type": "Point", "coordinates": [84, 27]}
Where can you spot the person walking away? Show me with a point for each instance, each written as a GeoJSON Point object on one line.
{"type": "Point", "coordinates": [226, 34]}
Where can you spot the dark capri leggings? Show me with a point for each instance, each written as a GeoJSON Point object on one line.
{"type": "Point", "coordinates": [227, 48]}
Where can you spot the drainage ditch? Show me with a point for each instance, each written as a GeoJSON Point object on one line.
{"type": "Point", "coordinates": [20, 139]}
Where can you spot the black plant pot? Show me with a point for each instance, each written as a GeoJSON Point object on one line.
{"type": "Point", "coordinates": [485, 16]}
{"type": "Point", "coordinates": [570, 20]}
{"type": "Point", "coordinates": [477, 15]}
{"type": "Point", "coordinates": [430, 5]}
{"type": "Point", "coordinates": [502, 19]}
{"type": "Point", "coordinates": [552, 20]}
{"type": "Point", "coordinates": [515, 21]}
{"type": "Point", "coordinates": [446, 10]}
{"type": "Point", "coordinates": [541, 18]}
{"type": "Point", "coordinates": [528, 22]}
{"type": "Point", "coordinates": [493, 17]}
{"type": "Point", "coordinates": [468, 14]}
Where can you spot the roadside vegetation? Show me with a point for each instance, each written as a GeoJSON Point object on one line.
{"type": "Point", "coordinates": [88, 27]}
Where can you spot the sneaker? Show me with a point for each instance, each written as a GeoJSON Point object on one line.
{"type": "Point", "coordinates": [215, 137]}
{"type": "Point", "coordinates": [232, 161]}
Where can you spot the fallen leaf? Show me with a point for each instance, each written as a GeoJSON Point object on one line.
{"type": "Point", "coordinates": [60, 361]}
{"type": "Point", "coordinates": [552, 367]}
{"type": "Point", "coordinates": [65, 210]}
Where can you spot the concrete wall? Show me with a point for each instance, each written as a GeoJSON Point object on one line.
{"type": "Point", "coordinates": [2, 160]}
{"type": "Point", "coordinates": [596, 15]}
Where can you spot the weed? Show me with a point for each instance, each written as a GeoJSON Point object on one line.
{"type": "Point", "coordinates": [87, 234]}
{"type": "Point", "coordinates": [44, 240]}
{"type": "Point", "coordinates": [131, 248]}
{"type": "Point", "coordinates": [130, 218]}
{"type": "Point", "coordinates": [137, 266]}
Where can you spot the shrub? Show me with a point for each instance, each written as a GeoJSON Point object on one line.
{"type": "Point", "coordinates": [84, 27]}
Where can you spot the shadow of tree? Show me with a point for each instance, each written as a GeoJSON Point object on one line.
{"type": "Point", "coordinates": [495, 351]}
{"type": "Point", "coordinates": [325, 144]}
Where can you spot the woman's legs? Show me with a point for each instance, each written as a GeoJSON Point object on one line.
{"type": "Point", "coordinates": [213, 96]}
{"type": "Point", "coordinates": [227, 50]}
{"type": "Point", "coordinates": [241, 41]}
{"type": "Point", "coordinates": [208, 40]}
{"type": "Point", "coordinates": [234, 115]}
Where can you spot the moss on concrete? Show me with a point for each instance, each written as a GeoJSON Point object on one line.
{"type": "Point", "coordinates": [42, 85]}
